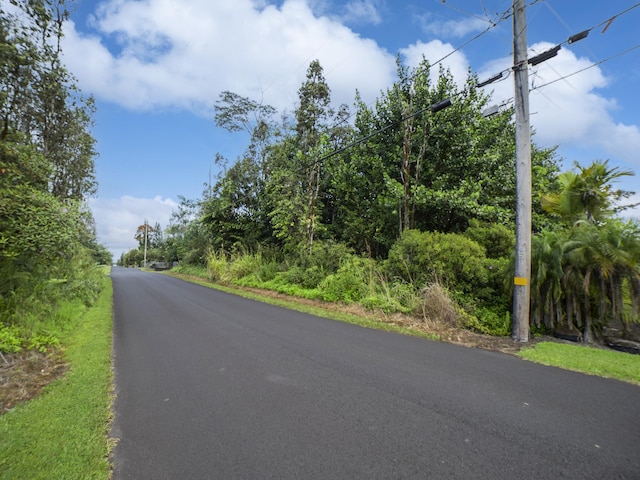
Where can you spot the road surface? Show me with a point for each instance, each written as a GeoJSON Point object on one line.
{"type": "Point", "coordinates": [213, 386]}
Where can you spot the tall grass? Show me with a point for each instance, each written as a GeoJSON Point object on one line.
{"type": "Point", "coordinates": [344, 278]}
{"type": "Point", "coordinates": [330, 272]}
{"type": "Point", "coordinates": [37, 312]}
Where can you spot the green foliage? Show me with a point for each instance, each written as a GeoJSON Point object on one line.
{"type": "Point", "coordinates": [349, 284]}
{"type": "Point", "coordinates": [101, 255]}
{"type": "Point", "coordinates": [187, 239]}
{"type": "Point", "coordinates": [587, 194]}
{"type": "Point", "coordinates": [305, 277]}
{"type": "Point", "coordinates": [424, 257]}
{"type": "Point", "coordinates": [48, 248]}
{"type": "Point", "coordinates": [497, 240]}
{"type": "Point", "coordinates": [490, 321]}
{"type": "Point", "coordinates": [586, 273]}
{"type": "Point", "coordinates": [328, 255]}
{"type": "Point", "coordinates": [391, 297]}
{"type": "Point", "coordinates": [76, 409]}
{"type": "Point", "coordinates": [216, 266]}
{"type": "Point", "coordinates": [41, 343]}
{"type": "Point", "coordinates": [10, 339]}
{"type": "Point", "coordinates": [406, 168]}
{"type": "Point", "coordinates": [191, 270]}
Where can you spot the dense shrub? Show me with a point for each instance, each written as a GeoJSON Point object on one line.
{"type": "Point", "coordinates": [326, 255]}
{"type": "Point", "coordinates": [497, 240]}
{"type": "Point", "coordinates": [10, 339]}
{"type": "Point", "coordinates": [491, 321]}
{"type": "Point", "coordinates": [348, 284]}
{"type": "Point", "coordinates": [452, 259]}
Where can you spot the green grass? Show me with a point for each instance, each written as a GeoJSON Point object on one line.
{"type": "Point", "coordinates": [593, 361]}
{"type": "Point", "coordinates": [63, 434]}
{"type": "Point", "coordinates": [589, 360]}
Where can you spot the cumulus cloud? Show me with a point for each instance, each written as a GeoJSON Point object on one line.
{"type": "Point", "coordinates": [161, 53]}
{"type": "Point", "coordinates": [573, 111]}
{"type": "Point", "coordinates": [117, 219]}
{"type": "Point", "coordinates": [454, 28]}
{"type": "Point", "coordinates": [434, 51]}
{"type": "Point", "coordinates": [362, 11]}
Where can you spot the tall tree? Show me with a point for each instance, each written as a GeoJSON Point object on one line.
{"type": "Point", "coordinates": [312, 117]}
{"type": "Point", "coordinates": [46, 154]}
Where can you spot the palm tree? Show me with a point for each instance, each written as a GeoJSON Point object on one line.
{"type": "Point", "coordinates": [588, 194]}
{"type": "Point", "coordinates": [586, 273]}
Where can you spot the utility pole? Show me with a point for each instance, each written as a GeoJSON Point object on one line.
{"type": "Point", "coordinates": [146, 229]}
{"type": "Point", "coordinates": [522, 278]}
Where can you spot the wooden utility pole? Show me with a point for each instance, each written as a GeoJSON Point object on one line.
{"type": "Point", "coordinates": [522, 278]}
{"type": "Point", "coordinates": [146, 232]}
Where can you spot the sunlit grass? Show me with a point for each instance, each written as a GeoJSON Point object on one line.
{"type": "Point", "coordinates": [292, 304]}
{"type": "Point", "coordinates": [589, 360]}
{"type": "Point", "coordinates": [593, 361]}
{"type": "Point", "coordinates": [63, 432]}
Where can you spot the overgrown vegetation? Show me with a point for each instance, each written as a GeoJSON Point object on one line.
{"type": "Point", "coordinates": [394, 206]}
{"type": "Point", "coordinates": [48, 247]}
{"type": "Point", "coordinates": [63, 433]}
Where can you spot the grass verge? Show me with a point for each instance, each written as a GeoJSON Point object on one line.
{"type": "Point", "coordinates": [63, 433]}
{"type": "Point", "coordinates": [300, 306]}
{"type": "Point", "coordinates": [593, 361]}
{"type": "Point", "coordinates": [584, 359]}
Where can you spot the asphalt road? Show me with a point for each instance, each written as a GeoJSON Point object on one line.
{"type": "Point", "coordinates": [214, 386]}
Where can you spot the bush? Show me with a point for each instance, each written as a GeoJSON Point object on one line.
{"type": "Point", "coordinates": [384, 304]}
{"type": "Point", "coordinates": [422, 258]}
{"type": "Point", "coordinates": [496, 322]}
{"type": "Point", "coordinates": [348, 284]}
{"type": "Point", "coordinates": [305, 277]}
{"type": "Point", "coordinates": [497, 240]}
{"type": "Point", "coordinates": [326, 255]}
{"type": "Point", "coordinates": [10, 339]}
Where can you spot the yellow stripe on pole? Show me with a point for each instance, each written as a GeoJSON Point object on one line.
{"type": "Point", "coordinates": [521, 281]}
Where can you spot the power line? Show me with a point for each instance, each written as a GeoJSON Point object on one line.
{"type": "Point", "coordinates": [538, 87]}
{"type": "Point", "coordinates": [552, 52]}
{"type": "Point", "coordinates": [587, 68]}
{"type": "Point", "coordinates": [493, 24]}
{"type": "Point", "coordinates": [501, 76]}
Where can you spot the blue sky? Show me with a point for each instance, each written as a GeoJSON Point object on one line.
{"type": "Point", "coordinates": [156, 68]}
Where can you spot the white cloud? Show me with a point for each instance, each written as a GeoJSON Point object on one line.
{"type": "Point", "coordinates": [117, 219]}
{"type": "Point", "coordinates": [632, 213]}
{"type": "Point", "coordinates": [454, 28]}
{"type": "Point", "coordinates": [162, 53]}
{"type": "Point", "coordinates": [571, 112]}
{"type": "Point", "coordinates": [362, 11]}
{"type": "Point", "coordinates": [434, 51]}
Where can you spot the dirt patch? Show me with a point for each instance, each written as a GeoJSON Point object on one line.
{"type": "Point", "coordinates": [24, 374]}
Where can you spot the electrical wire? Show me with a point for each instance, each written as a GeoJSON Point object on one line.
{"type": "Point", "coordinates": [493, 24]}
{"type": "Point", "coordinates": [498, 77]}
{"type": "Point", "coordinates": [586, 68]}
